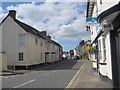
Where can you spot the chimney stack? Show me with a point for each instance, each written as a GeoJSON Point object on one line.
{"type": "Point", "coordinates": [44, 33]}
{"type": "Point", "coordinates": [49, 37]}
{"type": "Point", "coordinates": [12, 13]}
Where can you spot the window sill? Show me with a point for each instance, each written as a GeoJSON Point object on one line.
{"type": "Point", "coordinates": [21, 61]}
{"type": "Point", "coordinates": [103, 63]}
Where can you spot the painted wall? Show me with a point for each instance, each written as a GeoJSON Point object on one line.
{"type": "Point", "coordinates": [105, 70]}
{"type": "Point", "coordinates": [33, 53]}
{"type": "Point", "coordinates": [106, 4]}
{"type": "Point", "coordinates": [36, 52]}
{"type": "Point", "coordinates": [10, 41]}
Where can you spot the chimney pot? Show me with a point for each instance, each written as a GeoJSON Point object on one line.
{"type": "Point", "coordinates": [12, 13]}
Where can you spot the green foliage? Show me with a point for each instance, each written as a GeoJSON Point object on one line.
{"type": "Point", "coordinates": [92, 50]}
{"type": "Point", "coordinates": [84, 55]}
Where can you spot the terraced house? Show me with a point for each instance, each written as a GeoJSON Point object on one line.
{"type": "Point", "coordinates": [26, 46]}
{"type": "Point", "coordinates": [103, 21]}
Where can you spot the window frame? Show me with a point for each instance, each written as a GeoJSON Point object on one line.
{"type": "Point", "coordinates": [104, 48]}
{"type": "Point", "coordinates": [41, 56]}
{"type": "Point", "coordinates": [21, 58]}
{"type": "Point", "coordinates": [100, 49]}
{"type": "Point", "coordinates": [21, 39]}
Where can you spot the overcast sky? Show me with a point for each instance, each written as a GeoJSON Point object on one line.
{"type": "Point", "coordinates": [64, 21]}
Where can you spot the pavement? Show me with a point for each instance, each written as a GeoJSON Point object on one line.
{"type": "Point", "coordinates": [89, 78]}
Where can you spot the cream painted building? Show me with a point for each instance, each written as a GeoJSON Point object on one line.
{"type": "Point", "coordinates": [23, 44]}
{"type": "Point", "coordinates": [101, 36]}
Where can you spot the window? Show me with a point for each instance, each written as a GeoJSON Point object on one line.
{"type": "Point", "coordinates": [41, 43]}
{"type": "Point", "coordinates": [45, 44]}
{"type": "Point", "coordinates": [100, 1]}
{"type": "Point", "coordinates": [104, 49]}
{"type": "Point", "coordinates": [21, 57]}
{"type": "Point", "coordinates": [99, 45]}
{"type": "Point", "coordinates": [36, 41]}
{"type": "Point", "coordinates": [41, 55]}
{"type": "Point", "coordinates": [22, 40]}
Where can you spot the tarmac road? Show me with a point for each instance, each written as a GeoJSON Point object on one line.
{"type": "Point", "coordinates": [57, 76]}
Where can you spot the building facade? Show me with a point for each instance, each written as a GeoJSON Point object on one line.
{"type": "Point", "coordinates": [105, 38]}
{"type": "Point", "coordinates": [24, 45]}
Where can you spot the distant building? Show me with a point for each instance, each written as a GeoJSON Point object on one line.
{"type": "Point", "coordinates": [84, 46]}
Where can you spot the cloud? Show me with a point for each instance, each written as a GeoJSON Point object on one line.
{"type": "Point", "coordinates": [62, 20]}
{"type": "Point", "coordinates": [2, 14]}
{"type": "Point", "coordinates": [74, 31]}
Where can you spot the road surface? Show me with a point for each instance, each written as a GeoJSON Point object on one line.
{"type": "Point", "coordinates": [57, 76]}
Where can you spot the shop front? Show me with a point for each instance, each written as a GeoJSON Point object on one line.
{"type": "Point", "coordinates": [110, 23]}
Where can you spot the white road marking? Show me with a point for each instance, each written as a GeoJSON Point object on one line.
{"type": "Point", "coordinates": [24, 83]}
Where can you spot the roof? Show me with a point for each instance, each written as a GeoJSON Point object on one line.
{"type": "Point", "coordinates": [31, 30]}
{"type": "Point", "coordinates": [56, 43]}
{"type": "Point", "coordinates": [28, 28]}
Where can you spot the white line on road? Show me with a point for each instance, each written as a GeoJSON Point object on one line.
{"type": "Point", "coordinates": [24, 83]}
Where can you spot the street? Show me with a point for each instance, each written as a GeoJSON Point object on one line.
{"type": "Point", "coordinates": [57, 76]}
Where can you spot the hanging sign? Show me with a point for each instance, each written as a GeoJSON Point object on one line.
{"type": "Point", "coordinates": [91, 21]}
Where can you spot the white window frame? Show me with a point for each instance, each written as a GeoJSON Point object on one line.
{"type": "Point", "coordinates": [100, 51]}
{"type": "Point", "coordinates": [104, 48]}
{"type": "Point", "coordinates": [19, 57]}
{"type": "Point", "coordinates": [22, 40]}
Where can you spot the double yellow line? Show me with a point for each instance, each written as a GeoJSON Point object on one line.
{"type": "Point", "coordinates": [74, 78]}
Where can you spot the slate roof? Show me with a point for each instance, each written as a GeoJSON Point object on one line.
{"type": "Point", "coordinates": [28, 28]}
{"type": "Point", "coordinates": [31, 30]}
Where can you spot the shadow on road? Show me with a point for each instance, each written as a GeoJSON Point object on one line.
{"type": "Point", "coordinates": [68, 64]}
